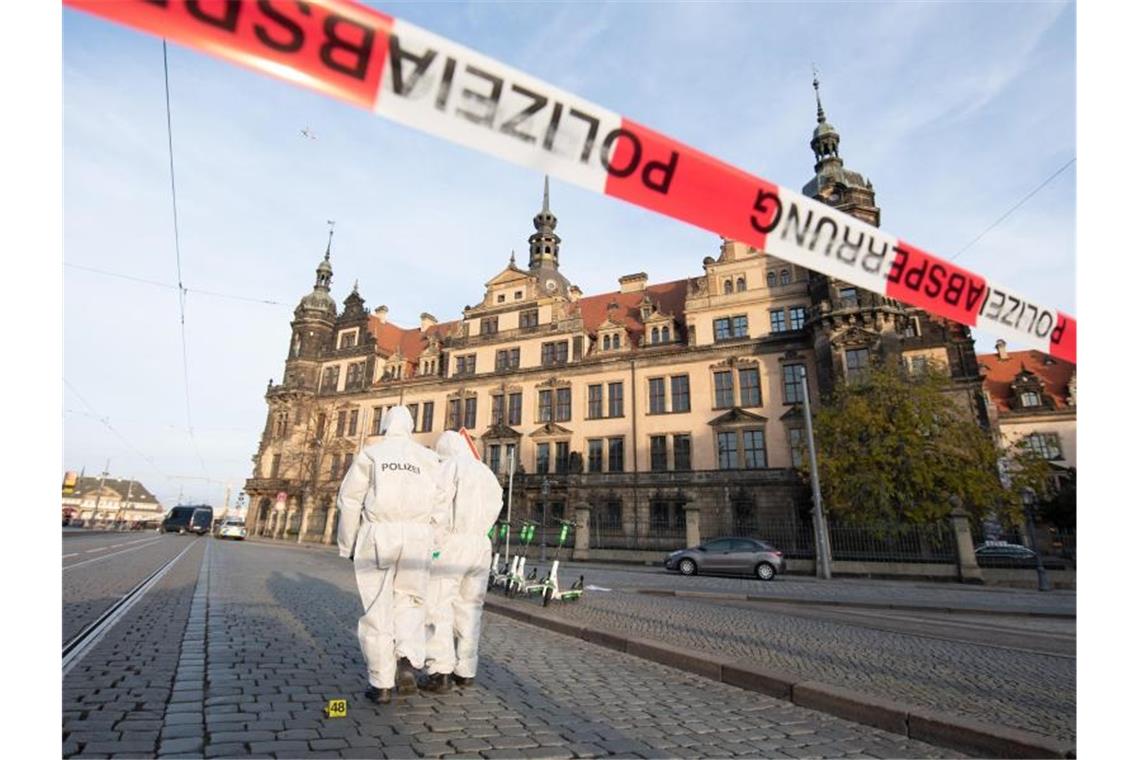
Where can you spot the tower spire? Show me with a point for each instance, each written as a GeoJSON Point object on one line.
{"type": "Point", "coordinates": [544, 243]}
{"type": "Point", "coordinates": [819, 117]}
{"type": "Point", "coordinates": [825, 138]}
{"type": "Point", "coordinates": [328, 248]}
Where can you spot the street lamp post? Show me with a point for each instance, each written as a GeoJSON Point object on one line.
{"type": "Point", "coordinates": [819, 520]}
{"type": "Point", "coordinates": [1029, 499]}
{"type": "Point", "coordinates": [545, 501]}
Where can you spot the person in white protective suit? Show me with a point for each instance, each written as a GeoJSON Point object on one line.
{"type": "Point", "coordinates": [389, 501]}
{"type": "Point", "coordinates": [459, 575]}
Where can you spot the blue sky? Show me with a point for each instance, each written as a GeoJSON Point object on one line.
{"type": "Point", "coordinates": [953, 111]}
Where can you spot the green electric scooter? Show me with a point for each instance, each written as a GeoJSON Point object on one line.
{"type": "Point", "coordinates": [549, 587]}
{"type": "Point", "coordinates": [516, 578]}
{"type": "Point", "coordinates": [498, 574]}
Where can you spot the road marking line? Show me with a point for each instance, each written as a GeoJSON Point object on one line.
{"type": "Point", "coordinates": [78, 647]}
{"type": "Point", "coordinates": [108, 556]}
{"type": "Point", "coordinates": [70, 555]}
{"type": "Point", "coordinates": [100, 549]}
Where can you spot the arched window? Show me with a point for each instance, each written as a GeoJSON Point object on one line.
{"type": "Point", "coordinates": [606, 343]}
{"type": "Point", "coordinates": [617, 341]}
{"type": "Point", "coordinates": [771, 279]}
{"type": "Point", "coordinates": [728, 286]}
{"type": "Point", "coordinates": [785, 277]}
{"type": "Point", "coordinates": [740, 286]}
{"type": "Point", "coordinates": [656, 335]}
{"type": "Point", "coordinates": [664, 334]}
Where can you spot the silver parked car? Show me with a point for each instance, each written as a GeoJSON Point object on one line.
{"type": "Point", "coordinates": [743, 556]}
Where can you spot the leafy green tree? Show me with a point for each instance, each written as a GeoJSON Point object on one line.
{"type": "Point", "coordinates": [894, 447]}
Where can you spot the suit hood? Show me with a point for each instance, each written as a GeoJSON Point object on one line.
{"type": "Point", "coordinates": [451, 445]}
{"type": "Point", "coordinates": [397, 422]}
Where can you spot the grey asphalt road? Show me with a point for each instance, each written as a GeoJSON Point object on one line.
{"type": "Point", "coordinates": [99, 568]}
{"type": "Point", "coordinates": [239, 647]}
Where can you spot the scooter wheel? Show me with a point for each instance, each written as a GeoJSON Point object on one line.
{"type": "Point", "coordinates": [547, 595]}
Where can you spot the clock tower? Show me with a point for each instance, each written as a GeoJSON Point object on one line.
{"type": "Point", "coordinates": [545, 247]}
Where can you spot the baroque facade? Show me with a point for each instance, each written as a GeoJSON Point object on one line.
{"type": "Point", "coordinates": [631, 411]}
{"type": "Point", "coordinates": [1032, 396]}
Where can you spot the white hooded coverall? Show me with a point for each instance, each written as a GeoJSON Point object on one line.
{"type": "Point", "coordinates": [388, 502]}
{"type": "Point", "coordinates": [459, 576]}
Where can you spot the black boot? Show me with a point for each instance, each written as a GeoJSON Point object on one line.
{"type": "Point", "coordinates": [379, 696]}
{"type": "Point", "coordinates": [461, 681]}
{"type": "Point", "coordinates": [438, 683]}
{"type": "Point", "coordinates": [405, 675]}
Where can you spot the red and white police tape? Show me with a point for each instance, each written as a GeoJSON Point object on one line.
{"type": "Point", "coordinates": [414, 77]}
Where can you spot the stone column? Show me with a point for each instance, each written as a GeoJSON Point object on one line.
{"type": "Point", "coordinates": [692, 525]}
{"type": "Point", "coordinates": [306, 512]}
{"type": "Point", "coordinates": [581, 531]}
{"type": "Point", "coordinates": [267, 526]}
{"type": "Point", "coordinates": [968, 570]}
{"type": "Point", "coordinates": [279, 523]}
{"type": "Point", "coordinates": [330, 520]}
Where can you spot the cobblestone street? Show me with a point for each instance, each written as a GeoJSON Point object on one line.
{"type": "Point", "coordinates": [278, 628]}
{"type": "Point", "coordinates": [995, 682]}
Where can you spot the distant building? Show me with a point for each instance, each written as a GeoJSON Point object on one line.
{"type": "Point", "coordinates": [107, 500]}
{"type": "Point", "coordinates": [1032, 396]}
{"type": "Point", "coordinates": [623, 410]}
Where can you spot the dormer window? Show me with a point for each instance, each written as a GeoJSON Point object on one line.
{"type": "Point", "coordinates": [785, 277]}
{"type": "Point", "coordinates": [501, 298]}
{"type": "Point", "coordinates": [657, 331]}
{"type": "Point", "coordinates": [1028, 391]}
{"type": "Point", "coordinates": [771, 279]}
{"type": "Point", "coordinates": [728, 286]}
{"type": "Point", "coordinates": [740, 285]}
{"type": "Point", "coordinates": [606, 343]}
{"type": "Point", "coordinates": [347, 339]}
{"type": "Point", "coordinates": [665, 334]}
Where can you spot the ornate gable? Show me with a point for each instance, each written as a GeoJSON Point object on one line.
{"type": "Point", "coordinates": [551, 430]}
{"type": "Point", "coordinates": [737, 416]}
{"type": "Point", "coordinates": [852, 336]}
{"type": "Point", "coordinates": [499, 431]}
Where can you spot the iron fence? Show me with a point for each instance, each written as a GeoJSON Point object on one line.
{"type": "Point", "coordinates": [859, 542]}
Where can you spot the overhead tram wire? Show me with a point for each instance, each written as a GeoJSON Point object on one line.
{"type": "Point", "coordinates": [178, 263]}
{"type": "Point", "coordinates": [156, 283]}
{"type": "Point", "coordinates": [1015, 207]}
{"type": "Point", "coordinates": [107, 423]}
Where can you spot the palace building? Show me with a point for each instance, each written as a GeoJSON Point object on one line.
{"type": "Point", "coordinates": [636, 413]}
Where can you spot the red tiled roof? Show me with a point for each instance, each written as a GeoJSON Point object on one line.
{"type": "Point", "coordinates": [999, 373]}
{"type": "Point", "coordinates": [669, 297]}
{"type": "Point", "coordinates": [410, 341]}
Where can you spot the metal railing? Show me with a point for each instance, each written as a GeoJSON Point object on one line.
{"type": "Point", "coordinates": [934, 543]}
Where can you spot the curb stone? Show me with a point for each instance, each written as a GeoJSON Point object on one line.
{"type": "Point", "coordinates": [862, 605]}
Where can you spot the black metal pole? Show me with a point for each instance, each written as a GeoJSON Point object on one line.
{"type": "Point", "coordinates": [1042, 577]}
{"type": "Point", "coordinates": [544, 503]}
